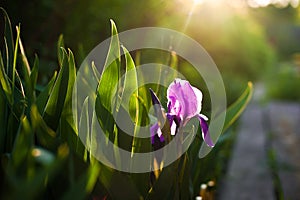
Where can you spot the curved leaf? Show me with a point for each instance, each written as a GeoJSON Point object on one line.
{"type": "Point", "coordinates": [9, 43]}
{"type": "Point", "coordinates": [232, 114]}
{"type": "Point", "coordinates": [42, 98]}
{"type": "Point", "coordinates": [111, 71]}
{"type": "Point", "coordinates": [55, 103]}
{"type": "Point", "coordinates": [5, 82]}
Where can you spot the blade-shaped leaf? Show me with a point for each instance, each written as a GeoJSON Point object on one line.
{"type": "Point", "coordinates": [128, 99]}
{"type": "Point", "coordinates": [5, 82]}
{"type": "Point", "coordinates": [140, 144]}
{"type": "Point", "coordinates": [114, 180]}
{"type": "Point", "coordinates": [34, 72]}
{"type": "Point", "coordinates": [236, 109]}
{"type": "Point", "coordinates": [111, 72]}
{"type": "Point", "coordinates": [232, 113]}
{"type": "Point", "coordinates": [42, 98]}
{"type": "Point", "coordinates": [107, 92]}
{"type": "Point", "coordinates": [25, 68]}
{"type": "Point", "coordinates": [35, 184]}
{"type": "Point", "coordinates": [9, 43]}
{"type": "Point", "coordinates": [84, 126]}
{"type": "Point", "coordinates": [130, 85]}
{"type": "Point", "coordinates": [20, 101]}
{"type": "Point", "coordinates": [3, 121]}
{"type": "Point", "coordinates": [23, 56]}
{"type": "Point", "coordinates": [15, 59]}
{"type": "Point", "coordinates": [162, 187]}
{"type": "Point", "coordinates": [23, 142]}
{"type": "Point", "coordinates": [60, 46]}
{"type": "Point", "coordinates": [45, 135]}
{"type": "Point", "coordinates": [67, 125]}
{"type": "Point", "coordinates": [57, 96]}
{"type": "Point", "coordinates": [84, 185]}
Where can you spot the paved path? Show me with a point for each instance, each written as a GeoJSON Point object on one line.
{"type": "Point", "coordinates": [248, 176]}
{"type": "Point", "coordinates": [264, 129]}
{"type": "Point", "coordinates": [284, 123]}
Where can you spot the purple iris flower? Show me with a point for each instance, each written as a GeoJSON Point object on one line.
{"type": "Point", "coordinates": [184, 103]}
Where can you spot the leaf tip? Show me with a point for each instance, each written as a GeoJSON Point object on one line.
{"type": "Point", "coordinates": [250, 84]}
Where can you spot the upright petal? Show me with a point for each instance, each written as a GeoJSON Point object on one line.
{"type": "Point", "coordinates": [205, 131]}
{"type": "Point", "coordinates": [154, 98]}
{"type": "Point", "coordinates": [199, 95]}
{"type": "Point", "coordinates": [183, 100]}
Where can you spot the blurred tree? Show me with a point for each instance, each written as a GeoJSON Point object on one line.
{"type": "Point", "coordinates": [282, 28]}
{"type": "Point", "coordinates": [238, 41]}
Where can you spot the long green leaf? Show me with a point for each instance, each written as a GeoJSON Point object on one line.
{"type": "Point", "coordinates": [60, 46]}
{"type": "Point", "coordinates": [34, 72]}
{"type": "Point", "coordinates": [67, 124]}
{"type": "Point", "coordinates": [45, 135]}
{"type": "Point", "coordinates": [20, 101]}
{"type": "Point", "coordinates": [9, 43]}
{"type": "Point", "coordinates": [111, 71]}
{"type": "Point", "coordinates": [23, 142]}
{"type": "Point", "coordinates": [43, 97]}
{"type": "Point", "coordinates": [84, 125]}
{"type": "Point", "coordinates": [232, 114]}
{"type": "Point", "coordinates": [34, 178]}
{"type": "Point", "coordinates": [15, 58]}
{"type": "Point", "coordinates": [162, 187]}
{"type": "Point", "coordinates": [84, 185]}
{"type": "Point", "coordinates": [237, 108]}
{"type": "Point", "coordinates": [114, 180]}
{"type": "Point", "coordinates": [25, 67]}
{"type": "Point", "coordinates": [3, 121]}
{"type": "Point", "coordinates": [57, 97]}
{"type": "Point", "coordinates": [23, 56]}
{"type": "Point", "coordinates": [107, 91]}
{"type": "Point", "coordinates": [5, 82]}
{"type": "Point", "coordinates": [129, 99]}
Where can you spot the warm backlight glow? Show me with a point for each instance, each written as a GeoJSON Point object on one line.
{"type": "Point", "coordinates": [196, 2]}
{"type": "Point", "coordinates": [278, 3]}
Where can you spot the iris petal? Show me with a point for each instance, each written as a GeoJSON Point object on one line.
{"type": "Point", "coordinates": [205, 131]}
{"type": "Point", "coordinates": [184, 103]}
{"type": "Point", "coordinates": [174, 122]}
{"type": "Point", "coordinates": [198, 94]}
{"type": "Point", "coordinates": [153, 131]}
{"type": "Point", "coordinates": [156, 132]}
{"type": "Point", "coordinates": [154, 98]}
{"type": "Point", "coordinates": [183, 99]}
{"type": "Point", "coordinates": [159, 111]}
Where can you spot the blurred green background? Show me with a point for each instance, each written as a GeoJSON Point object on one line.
{"type": "Point", "coordinates": [248, 40]}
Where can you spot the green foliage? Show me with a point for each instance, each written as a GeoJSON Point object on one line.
{"type": "Point", "coordinates": [283, 34]}
{"type": "Point", "coordinates": [42, 155]}
{"type": "Point", "coordinates": [37, 129]}
{"type": "Point", "coordinates": [236, 109]}
{"type": "Point", "coordinates": [283, 83]}
{"type": "Point", "coordinates": [211, 167]}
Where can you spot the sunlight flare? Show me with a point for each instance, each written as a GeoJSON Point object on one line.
{"type": "Point", "coordinates": [277, 3]}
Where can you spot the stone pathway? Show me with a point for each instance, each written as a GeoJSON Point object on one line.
{"type": "Point", "coordinates": [284, 126]}
{"type": "Point", "coordinates": [248, 176]}
{"type": "Point", "coordinates": [273, 128]}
